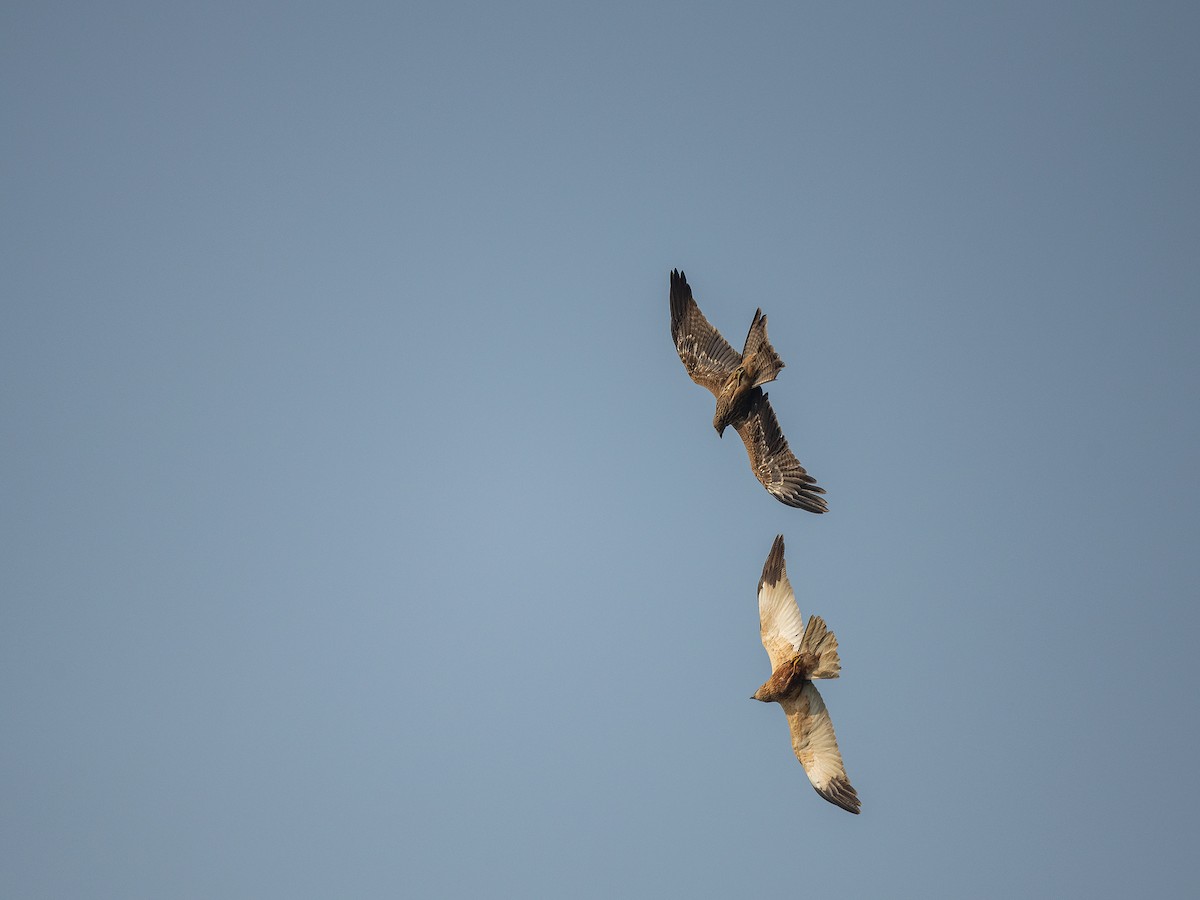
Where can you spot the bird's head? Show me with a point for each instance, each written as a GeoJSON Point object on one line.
{"type": "Point", "coordinates": [727, 400]}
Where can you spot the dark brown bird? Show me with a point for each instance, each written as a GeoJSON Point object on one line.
{"type": "Point", "coordinates": [798, 655]}
{"type": "Point", "coordinates": [734, 380]}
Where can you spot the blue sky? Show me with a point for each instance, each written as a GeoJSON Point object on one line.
{"type": "Point", "coordinates": [363, 535]}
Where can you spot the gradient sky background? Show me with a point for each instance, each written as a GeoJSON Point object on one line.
{"type": "Point", "coordinates": [364, 537]}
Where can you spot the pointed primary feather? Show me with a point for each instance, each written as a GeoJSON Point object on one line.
{"type": "Point", "coordinates": [780, 623]}
{"type": "Point", "coordinates": [771, 460]}
{"type": "Point", "coordinates": [816, 747]}
{"type": "Point", "coordinates": [706, 355]}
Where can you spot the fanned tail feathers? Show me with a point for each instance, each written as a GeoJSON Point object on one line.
{"type": "Point", "coordinates": [821, 643]}
{"type": "Point", "coordinates": [759, 357]}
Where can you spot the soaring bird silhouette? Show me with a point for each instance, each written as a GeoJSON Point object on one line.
{"type": "Point", "coordinates": [798, 655]}
{"type": "Point", "coordinates": [734, 380]}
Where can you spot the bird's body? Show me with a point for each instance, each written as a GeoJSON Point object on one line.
{"type": "Point", "coordinates": [789, 679]}
{"type": "Point", "coordinates": [759, 364]}
{"type": "Point", "coordinates": [735, 379]}
{"type": "Point", "coordinates": [799, 655]}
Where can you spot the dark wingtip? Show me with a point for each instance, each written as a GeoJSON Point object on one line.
{"type": "Point", "coordinates": [681, 299]}
{"type": "Point", "coordinates": [679, 285]}
{"type": "Point", "coordinates": [773, 567]}
{"type": "Point", "coordinates": [806, 500]}
{"type": "Point", "coordinates": [841, 793]}
{"type": "Point", "coordinates": [801, 491]}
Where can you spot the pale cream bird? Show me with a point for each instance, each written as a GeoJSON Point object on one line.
{"type": "Point", "coordinates": [734, 380]}
{"type": "Point", "coordinates": [799, 654]}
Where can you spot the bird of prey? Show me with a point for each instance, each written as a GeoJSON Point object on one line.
{"type": "Point", "coordinates": [798, 655]}
{"type": "Point", "coordinates": [734, 380]}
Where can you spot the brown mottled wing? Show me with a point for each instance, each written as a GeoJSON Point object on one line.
{"type": "Point", "coordinates": [816, 747]}
{"type": "Point", "coordinates": [778, 615]}
{"type": "Point", "coordinates": [772, 461]}
{"type": "Point", "coordinates": [706, 355]}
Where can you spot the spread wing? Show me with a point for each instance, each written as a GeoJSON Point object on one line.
{"type": "Point", "coordinates": [773, 462]}
{"type": "Point", "coordinates": [816, 747]}
{"type": "Point", "coordinates": [706, 355]}
{"type": "Point", "coordinates": [778, 615]}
